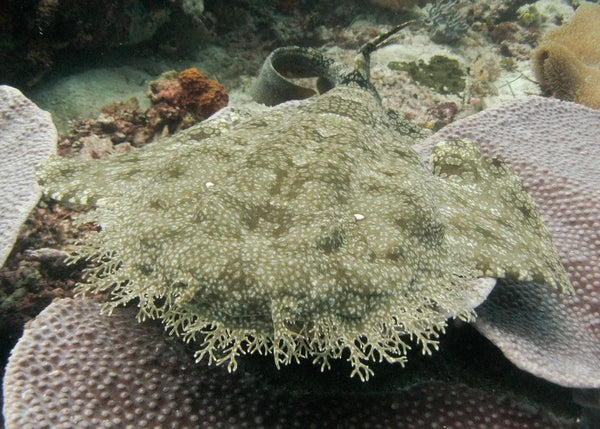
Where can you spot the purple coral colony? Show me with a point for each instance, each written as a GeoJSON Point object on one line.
{"type": "Point", "coordinates": [104, 327]}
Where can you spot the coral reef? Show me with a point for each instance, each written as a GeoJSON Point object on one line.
{"type": "Point", "coordinates": [27, 137]}
{"type": "Point", "coordinates": [441, 73]}
{"type": "Point", "coordinates": [111, 398]}
{"type": "Point", "coordinates": [531, 16]}
{"type": "Point", "coordinates": [445, 21]}
{"type": "Point", "coordinates": [567, 62]}
{"type": "Point", "coordinates": [35, 272]}
{"type": "Point", "coordinates": [564, 348]}
{"type": "Point", "coordinates": [444, 113]}
{"type": "Point", "coordinates": [119, 124]}
{"type": "Point", "coordinates": [394, 5]}
{"type": "Point", "coordinates": [564, 316]}
{"type": "Point", "coordinates": [513, 28]}
{"type": "Point", "coordinates": [299, 205]}
{"type": "Point", "coordinates": [178, 101]}
{"type": "Point", "coordinates": [553, 146]}
{"type": "Point", "coordinates": [36, 32]}
{"type": "Point", "coordinates": [573, 356]}
{"type": "Point", "coordinates": [132, 376]}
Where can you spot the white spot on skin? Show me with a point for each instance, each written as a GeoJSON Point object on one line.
{"type": "Point", "coordinates": [358, 216]}
{"type": "Point", "coordinates": [209, 185]}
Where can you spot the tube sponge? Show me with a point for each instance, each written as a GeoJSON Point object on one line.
{"type": "Point", "coordinates": [567, 62]}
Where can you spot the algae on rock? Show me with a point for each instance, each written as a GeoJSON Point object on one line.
{"type": "Point", "coordinates": [442, 74]}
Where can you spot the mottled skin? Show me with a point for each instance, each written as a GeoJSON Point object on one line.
{"type": "Point", "coordinates": [310, 229]}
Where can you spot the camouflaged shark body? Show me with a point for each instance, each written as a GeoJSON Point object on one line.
{"type": "Point", "coordinates": [310, 229]}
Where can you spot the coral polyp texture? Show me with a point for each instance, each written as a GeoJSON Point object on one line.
{"type": "Point", "coordinates": [74, 367]}
{"type": "Point", "coordinates": [306, 230]}
{"type": "Point", "coordinates": [27, 136]}
{"type": "Point", "coordinates": [554, 147]}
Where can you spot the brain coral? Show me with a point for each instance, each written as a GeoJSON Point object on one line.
{"type": "Point", "coordinates": [554, 147]}
{"type": "Point", "coordinates": [27, 136]}
{"type": "Point", "coordinates": [310, 229]}
{"type": "Point", "coordinates": [77, 368]}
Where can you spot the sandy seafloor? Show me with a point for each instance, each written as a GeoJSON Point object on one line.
{"type": "Point", "coordinates": [80, 92]}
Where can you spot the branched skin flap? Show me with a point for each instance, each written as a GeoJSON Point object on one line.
{"type": "Point", "coordinates": [307, 230]}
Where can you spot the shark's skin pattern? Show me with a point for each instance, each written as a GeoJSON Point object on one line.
{"type": "Point", "coordinates": [309, 229]}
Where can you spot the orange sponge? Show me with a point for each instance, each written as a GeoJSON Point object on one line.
{"type": "Point", "coordinates": [201, 95]}
{"type": "Point", "coordinates": [567, 62]}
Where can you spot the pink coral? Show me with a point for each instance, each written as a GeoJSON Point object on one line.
{"type": "Point", "coordinates": [555, 148]}
{"type": "Point", "coordinates": [77, 368]}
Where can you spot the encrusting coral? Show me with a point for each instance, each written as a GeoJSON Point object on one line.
{"type": "Point", "coordinates": [189, 92]}
{"type": "Point", "coordinates": [77, 368]}
{"type": "Point", "coordinates": [178, 101]}
{"type": "Point", "coordinates": [307, 230]}
{"type": "Point", "coordinates": [27, 137]}
{"type": "Point", "coordinates": [567, 62]}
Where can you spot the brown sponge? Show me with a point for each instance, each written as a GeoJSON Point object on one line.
{"type": "Point", "coordinates": [567, 62]}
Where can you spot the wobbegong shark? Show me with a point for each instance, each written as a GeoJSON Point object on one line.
{"type": "Point", "coordinates": [308, 229]}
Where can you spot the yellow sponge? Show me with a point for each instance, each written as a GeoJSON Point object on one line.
{"type": "Point", "coordinates": [567, 62]}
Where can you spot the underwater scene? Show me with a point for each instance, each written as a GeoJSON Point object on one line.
{"type": "Point", "coordinates": [300, 214]}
